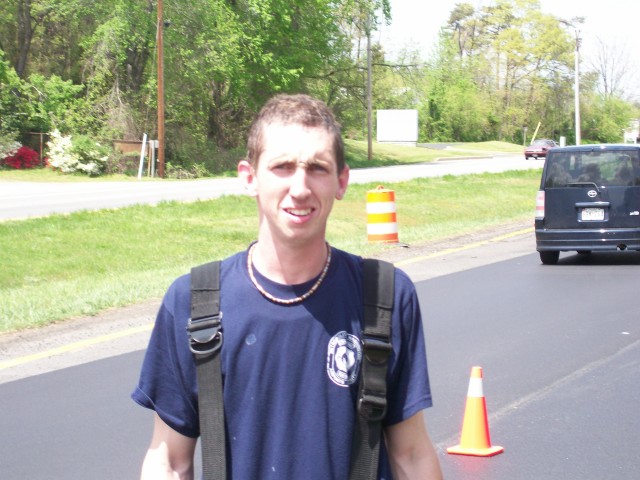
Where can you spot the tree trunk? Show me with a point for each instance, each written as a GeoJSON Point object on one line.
{"type": "Point", "coordinates": [216, 130]}
{"type": "Point", "coordinates": [25, 35]}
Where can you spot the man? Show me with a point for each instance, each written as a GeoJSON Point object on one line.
{"type": "Point", "coordinates": [289, 303]}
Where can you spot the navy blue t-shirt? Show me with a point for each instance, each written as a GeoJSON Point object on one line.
{"type": "Point", "coordinates": [290, 373]}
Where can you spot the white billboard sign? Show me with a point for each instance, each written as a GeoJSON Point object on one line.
{"type": "Point", "coordinates": [397, 126]}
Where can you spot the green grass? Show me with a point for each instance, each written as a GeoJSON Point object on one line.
{"type": "Point", "coordinates": [63, 266]}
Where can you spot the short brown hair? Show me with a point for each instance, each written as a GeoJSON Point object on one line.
{"type": "Point", "coordinates": [294, 110]}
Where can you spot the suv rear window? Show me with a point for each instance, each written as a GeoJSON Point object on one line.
{"type": "Point", "coordinates": [604, 168]}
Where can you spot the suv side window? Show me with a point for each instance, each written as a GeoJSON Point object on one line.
{"type": "Point", "coordinates": [558, 173]}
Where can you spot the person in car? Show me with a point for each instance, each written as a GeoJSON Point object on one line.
{"type": "Point", "coordinates": [591, 173]}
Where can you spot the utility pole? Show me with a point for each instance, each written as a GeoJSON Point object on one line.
{"type": "Point", "coordinates": [369, 95]}
{"type": "Point", "coordinates": [160, 47]}
{"type": "Point", "coordinates": [577, 87]}
{"type": "Point", "coordinates": [574, 23]}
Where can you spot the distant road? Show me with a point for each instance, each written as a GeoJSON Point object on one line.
{"type": "Point", "coordinates": [20, 200]}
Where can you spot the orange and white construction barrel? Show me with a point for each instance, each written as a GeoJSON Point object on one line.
{"type": "Point", "coordinates": [382, 224]}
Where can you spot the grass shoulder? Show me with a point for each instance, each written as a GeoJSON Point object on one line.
{"type": "Point", "coordinates": [63, 266]}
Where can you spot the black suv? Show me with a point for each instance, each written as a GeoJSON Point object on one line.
{"type": "Point", "coordinates": [589, 200]}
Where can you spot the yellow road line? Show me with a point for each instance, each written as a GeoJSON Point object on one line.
{"type": "Point", "coordinates": [469, 246]}
{"type": "Point", "coordinates": [72, 347]}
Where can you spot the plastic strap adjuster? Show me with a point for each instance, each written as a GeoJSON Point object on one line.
{"type": "Point", "coordinates": [373, 408]}
{"type": "Point", "coordinates": [376, 350]}
{"type": "Point", "coordinates": [205, 335]}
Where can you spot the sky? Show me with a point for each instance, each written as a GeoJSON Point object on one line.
{"type": "Point", "coordinates": [616, 23]}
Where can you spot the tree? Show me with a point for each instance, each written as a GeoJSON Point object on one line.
{"type": "Point", "coordinates": [604, 118]}
{"type": "Point", "coordinates": [466, 28]}
{"type": "Point", "coordinates": [118, 70]}
{"type": "Point", "coordinates": [453, 107]}
{"type": "Point", "coordinates": [13, 106]}
{"type": "Point", "coordinates": [517, 53]}
{"type": "Point", "coordinates": [611, 63]}
{"type": "Point", "coordinates": [45, 35]}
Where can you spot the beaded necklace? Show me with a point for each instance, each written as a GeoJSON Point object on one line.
{"type": "Point", "coordinates": [287, 301]}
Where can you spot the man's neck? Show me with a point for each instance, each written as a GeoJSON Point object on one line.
{"type": "Point", "coordinates": [290, 264]}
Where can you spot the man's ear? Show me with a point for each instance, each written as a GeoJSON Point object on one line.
{"type": "Point", "coordinates": [343, 181]}
{"type": "Point", "coordinates": [247, 177]}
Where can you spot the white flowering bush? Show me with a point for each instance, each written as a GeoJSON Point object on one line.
{"type": "Point", "coordinates": [81, 155]}
{"type": "Point", "coordinates": [61, 156]}
{"type": "Point", "coordinates": [8, 145]}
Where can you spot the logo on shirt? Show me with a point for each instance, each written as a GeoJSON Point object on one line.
{"type": "Point", "coordinates": [344, 355]}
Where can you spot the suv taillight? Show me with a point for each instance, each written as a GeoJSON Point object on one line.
{"type": "Point", "coordinates": [540, 205]}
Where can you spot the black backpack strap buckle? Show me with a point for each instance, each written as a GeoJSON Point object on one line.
{"type": "Point", "coordinates": [205, 335]}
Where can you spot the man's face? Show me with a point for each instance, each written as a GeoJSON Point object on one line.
{"type": "Point", "coordinates": [295, 183]}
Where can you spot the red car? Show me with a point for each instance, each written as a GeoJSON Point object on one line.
{"type": "Point", "coordinates": [538, 148]}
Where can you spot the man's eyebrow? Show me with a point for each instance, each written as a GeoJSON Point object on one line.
{"type": "Point", "coordinates": [317, 160]}
{"type": "Point", "coordinates": [281, 159]}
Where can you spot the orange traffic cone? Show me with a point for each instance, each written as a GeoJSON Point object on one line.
{"type": "Point", "coordinates": [475, 428]}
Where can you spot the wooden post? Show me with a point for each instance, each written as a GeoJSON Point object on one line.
{"type": "Point", "coordinates": [369, 93]}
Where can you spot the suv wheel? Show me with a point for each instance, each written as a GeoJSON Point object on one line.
{"type": "Point", "coordinates": [549, 258]}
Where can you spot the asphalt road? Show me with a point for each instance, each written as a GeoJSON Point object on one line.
{"type": "Point", "coordinates": [19, 200]}
{"type": "Point", "coordinates": [559, 345]}
{"type": "Point", "coordinates": [560, 350]}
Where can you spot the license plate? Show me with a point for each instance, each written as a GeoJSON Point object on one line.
{"type": "Point", "coordinates": [591, 214]}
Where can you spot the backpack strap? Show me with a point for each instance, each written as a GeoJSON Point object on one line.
{"type": "Point", "coordinates": [378, 284]}
{"type": "Point", "coordinates": [205, 342]}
